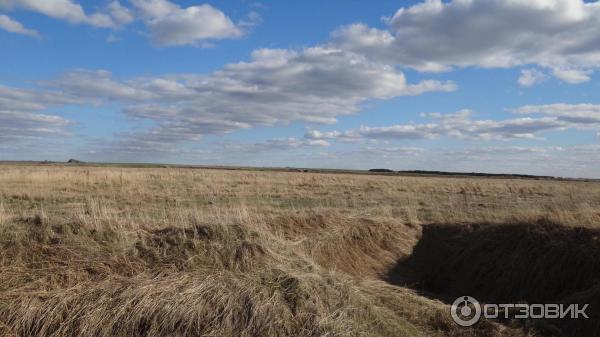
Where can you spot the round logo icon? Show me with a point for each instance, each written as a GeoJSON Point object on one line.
{"type": "Point", "coordinates": [465, 311]}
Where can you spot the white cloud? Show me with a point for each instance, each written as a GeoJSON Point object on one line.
{"type": "Point", "coordinates": [567, 161]}
{"type": "Point", "coordinates": [16, 125]}
{"type": "Point", "coordinates": [253, 19]}
{"type": "Point", "coordinates": [313, 85]}
{"type": "Point", "coordinates": [320, 135]}
{"type": "Point", "coordinates": [31, 100]}
{"type": "Point", "coordinates": [436, 36]}
{"type": "Point", "coordinates": [13, 26]}
{"type": "Point", "coordinates": [581, 114]}
{"type": "Point", "coordinates": [120, 14]}
{"type": "Point", "coordinates": [175, 129]}
{"type": "Point", "coordinates": [366, 157]}
{"type": "Point", "coordinates": [461, 125]}
{"type": "Point", "coordinates": [391, 152]}
{"type": "Point", "coordinates": [147, 147]}
{"type": "Point", "coordinates": [275, 144]}
{"type": "Point", "coordinates": [168, 23]}
{"type": "Point", "coordinates": [573, 76]}
{"type": "Point", "coordinates": [171, 25]}
{"type": "Point", "coordinates": [20, 118]}
{"type": "Point", "coordinates": [99, 86]}
{"type": "Point", "coordinates": [62, 9]}
{"type": "Point", "coordinates": [530, 77]}
{"type": "Point", "coordinates": [502, 150]}
{"type": "Point", "coordinates": [155, 8]}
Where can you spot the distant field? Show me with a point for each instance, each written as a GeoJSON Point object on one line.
{"type": "Point", "coordinates": [121, 251]}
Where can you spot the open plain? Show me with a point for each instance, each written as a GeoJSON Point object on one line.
{"type": "Point", "coordinates": [114, 251]}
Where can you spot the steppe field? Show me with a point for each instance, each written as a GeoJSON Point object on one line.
{"type": "Point", "coordinates": [114, 251]}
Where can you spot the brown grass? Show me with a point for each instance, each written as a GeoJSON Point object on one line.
{"type": "Point", "coordinates": [189, 252]}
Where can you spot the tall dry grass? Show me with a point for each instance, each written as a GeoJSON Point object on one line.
{"type": "Point", "coordinates": [96, 251]}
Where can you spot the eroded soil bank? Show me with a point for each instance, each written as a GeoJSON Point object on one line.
{"type": "Point", "coordinates": [540, 262]}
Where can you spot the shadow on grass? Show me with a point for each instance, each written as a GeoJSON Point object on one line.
{"type": "Point", "coordinates": [538, 262]}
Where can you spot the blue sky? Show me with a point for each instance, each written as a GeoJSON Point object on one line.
{"type": "Point", "coordinates": [466, 85]}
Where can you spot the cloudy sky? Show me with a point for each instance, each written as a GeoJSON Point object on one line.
{"type": "Point", "coordinates": [506, 86]}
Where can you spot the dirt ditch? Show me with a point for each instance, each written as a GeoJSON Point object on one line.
{"type": "Point", "coordinates": [538, 262]}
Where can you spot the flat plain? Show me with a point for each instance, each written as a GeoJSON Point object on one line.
{"type": "Point", "coordinates": [119, 251]}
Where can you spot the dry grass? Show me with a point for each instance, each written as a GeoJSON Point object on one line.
{"type": "Point", "coordinates": [188, 252]}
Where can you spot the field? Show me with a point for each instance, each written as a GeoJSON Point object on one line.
{"type": "Point", "coordinates": [109, 251]}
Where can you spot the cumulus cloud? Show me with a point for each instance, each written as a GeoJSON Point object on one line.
{"type": "Point", "coordinates": [437, 36]}
{"type": "Point", "coordinates": [572, 76]}
{"type": "Point", "coordinates": [120, 14]}
{"type": "Point", "coordinates": [168, 23]}
{"type": "Point", "coordinates": [62, 9]}
{"type": "Point", "coordinates": [275, 87]}
{"type": "Point", "coordinates": [461, 125]}
{"type": "Point", "coordinates": [530, 77]}
{"type": "Point", "coordinates": [155, 8]}
{"type": "Point", "coordinates": [13, 26]}
{"type": "Point", "coordinates": [313, 85]}
{"type": "Point", "coordinates": [171, 25]}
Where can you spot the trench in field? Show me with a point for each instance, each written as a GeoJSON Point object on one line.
{"type": "Point", "coordinates": [509, 263]}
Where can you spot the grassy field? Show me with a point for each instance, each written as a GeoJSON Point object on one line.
{"type": "Point", "coordinates": [101, 251]}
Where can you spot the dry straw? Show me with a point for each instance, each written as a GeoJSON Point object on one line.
{"type": "Point", "coordinates": [100, 251]}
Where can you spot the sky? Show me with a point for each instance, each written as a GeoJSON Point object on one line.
{"type": "Point", "coordinates": [500, 86]}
